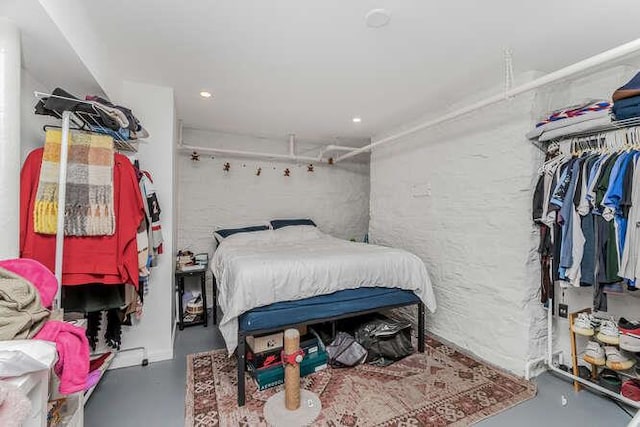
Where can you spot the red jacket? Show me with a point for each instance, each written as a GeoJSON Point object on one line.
{"type": "Point", "coordinates": [103, 259]}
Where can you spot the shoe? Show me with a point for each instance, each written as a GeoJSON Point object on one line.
{"type": "Point", "coordinates": [616, 360]}
{"type": "Point", "coordinates": [582, 325]}
{"type": "Point", "coordinates": [629, 343]}
{"type": "Point", "coordinates": [594, 354]}
{"type": "Point", "coordinates": [629, 327]}
{"type": "Point", "coordinates": [631, 390]}
{"type": "Point", "coordinates": [609, 333]}
{"type": "Point", "coordinates": [609, 380]}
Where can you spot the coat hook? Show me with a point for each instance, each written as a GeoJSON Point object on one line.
{"type": "Point", "coordinates": [195, 157]}
{"type": "Point", "coordinates": [259, 171]}
{"type": "Point", "coordinates": [226, 167]}
{"type": "Point", "coordinates": [330, 160]}
{"type": "Point", "coordinates": [310, 168]}
{"type": "Point", "coordinates": [287, 172]}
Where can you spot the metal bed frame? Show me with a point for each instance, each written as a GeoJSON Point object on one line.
{"type": "Point", "coordinates": [242, 335]}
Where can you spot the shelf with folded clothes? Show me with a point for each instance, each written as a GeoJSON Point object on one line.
{"type": "Point", "coordinates": [95, 114]}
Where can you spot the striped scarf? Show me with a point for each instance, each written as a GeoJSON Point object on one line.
{"type": "Point", "coordinates": [89, 209]}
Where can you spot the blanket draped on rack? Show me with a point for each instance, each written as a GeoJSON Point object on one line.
{"type": "Point", "coordinates": [89, 207]}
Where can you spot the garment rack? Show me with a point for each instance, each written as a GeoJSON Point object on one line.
{"type": "Point", "coordinates": [120, 145]}
{"type": "Point", "coordinates": [614, 126]}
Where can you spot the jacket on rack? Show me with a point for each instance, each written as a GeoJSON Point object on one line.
{"type": "Point", "coordinates": [97, 259]}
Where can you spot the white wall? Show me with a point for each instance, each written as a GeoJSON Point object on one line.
{"type": "Point", "coordinates": [154, 107]}
{"type": "Point", "coordinates": [459, 196]}
{"type": "Point", "coordinates": [335, 197]}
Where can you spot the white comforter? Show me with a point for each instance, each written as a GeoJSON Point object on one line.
{"type": "Point", "coordinates": [292, 263]}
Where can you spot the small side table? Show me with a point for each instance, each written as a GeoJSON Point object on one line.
{"type": "Point", "coordinates": [180, 276]}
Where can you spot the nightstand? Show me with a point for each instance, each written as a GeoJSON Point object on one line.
{"type": "Point", "coordinates": [180, 279]}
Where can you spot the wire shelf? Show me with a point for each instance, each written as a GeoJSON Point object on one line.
{"type": "Point", "coordinates": [610, 127]}
{"type": "Point", "coordinates": [119, 143]}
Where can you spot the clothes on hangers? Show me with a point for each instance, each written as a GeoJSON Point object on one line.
{"type": "Point", "coordinates": [100, 259]}
{"type": "Point", "coordinates": [152, 212]}
{"type": "Point", "coordinates": [583, 204]}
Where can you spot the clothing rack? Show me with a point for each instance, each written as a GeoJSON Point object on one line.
{"type": "Point", "coordinates": [602, 141]}
{"type": "Point", "coordinates": [119, 144]}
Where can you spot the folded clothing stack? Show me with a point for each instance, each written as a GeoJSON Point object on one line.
{"type": "Point", "coordinates": [626, 100]}
{"type": "Point", "coordinates": [589, 115]}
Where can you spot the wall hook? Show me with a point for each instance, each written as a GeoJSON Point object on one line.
{"type": "Point", "coordinates": [226, 167]}
{"type": "Point", "coordinates": [310, 168]}
{"type": "Point", "coordinates": [259, 171]}
{"type": "Point", "coordinates": [287, 172]}
{"type": "Point", "coordinates": [195, 157]}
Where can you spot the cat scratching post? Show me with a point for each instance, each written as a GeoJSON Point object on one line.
{"type": "Point", "coordinates": [292, 406]}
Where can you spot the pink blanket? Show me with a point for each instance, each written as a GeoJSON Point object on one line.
{"type": "Point", "coordinates": [73, 354]}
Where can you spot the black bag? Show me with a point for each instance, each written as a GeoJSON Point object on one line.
{"type": "Point", "coordinates": [386, 340]}
{"type": "Point", "coordinates": [345, 351]}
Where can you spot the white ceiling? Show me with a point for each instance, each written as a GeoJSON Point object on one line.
{"type": "Point", "coordinates": [308, 67]}
{"type": "Point", "coordinates": [46, 54]}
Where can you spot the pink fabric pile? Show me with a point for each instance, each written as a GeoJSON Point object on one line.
{"type": "Point", "coordinates": [71, 342]}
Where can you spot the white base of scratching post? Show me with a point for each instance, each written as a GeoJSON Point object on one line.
{"type": "Point", "coordinates": [278, 415]}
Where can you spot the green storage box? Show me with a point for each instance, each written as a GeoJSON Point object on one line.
{"type": "Point", "coordinates": [274, 375]}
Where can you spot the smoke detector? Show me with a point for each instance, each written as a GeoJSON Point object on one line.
{"type": "Point", "coordinates": [377, 18]}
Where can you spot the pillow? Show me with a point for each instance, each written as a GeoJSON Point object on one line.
{"type": "Point", "coordinates": [223, 233]}
{"type": "Point", "coordinates": [279, 223]}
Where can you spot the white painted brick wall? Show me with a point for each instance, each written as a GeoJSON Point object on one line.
{"type": "Point", "coordinates": [335, 197]}
{"type": "Point", "coordinates": [459, 196]}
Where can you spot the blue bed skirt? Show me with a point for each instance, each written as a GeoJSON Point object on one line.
{"type": "Point", "coordinates": [321, 307]}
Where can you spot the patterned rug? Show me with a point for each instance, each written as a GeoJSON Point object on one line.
{"type": "Point", "coordinates": [441, 387]}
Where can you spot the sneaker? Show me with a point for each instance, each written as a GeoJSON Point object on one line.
{"type": "Point", "coordinates": [629, 343]}
{"type": "Point", "coordinates": [616, 360]}
{"type": "Point", "coordinates": [629, 327]}
{"type": "Point", "coordinates": [631, 390]}
{"type": "Point", "coordinates": [609, 333]}
{"type": "Point", "coordinates": [582, 325]}
{"type": "Point", "coordinates": [609, 380]}
{"type": "Point", "coordinates": [594, 354]}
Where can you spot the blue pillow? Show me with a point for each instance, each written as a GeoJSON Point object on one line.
{"type": "Point", "coordinates": [226, 232]}
{"type": "Point", "coordinates": [279, 223]}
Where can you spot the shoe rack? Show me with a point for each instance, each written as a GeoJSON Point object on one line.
{"type": "Point", "coordinates": [594, 368]}
{"type": "Point", "coordinates": [574, 351]}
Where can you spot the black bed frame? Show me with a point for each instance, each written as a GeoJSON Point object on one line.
{"type": "Point", "coordinates": [242, 335]}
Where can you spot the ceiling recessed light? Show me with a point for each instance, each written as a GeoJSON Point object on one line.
{"type": "Point", "coordinates": [356, 120]}
{"type": "Point", "coordinates": [377, 18]}
{"type": "Point", "coordinates": [205, 94]}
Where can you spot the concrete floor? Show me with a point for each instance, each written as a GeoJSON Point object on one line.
{"type": "Point", "coordinates": [154, 395]}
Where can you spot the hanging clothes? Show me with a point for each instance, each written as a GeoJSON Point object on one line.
{"type": "Point", "coordinates": [583, 204]}
{"type": "Point", "coordinates": [100, 259]}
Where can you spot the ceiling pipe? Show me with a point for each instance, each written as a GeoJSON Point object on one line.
{"type": "Point", "coordinates": [563, 73]}
{"type": "Point", "coordinates": [330, 148]}
{"type": "Point", "coordinates": [251, 154]}
{"type": "Point", "coordinates": [292, 145]}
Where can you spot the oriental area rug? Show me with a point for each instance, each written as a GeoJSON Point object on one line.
{"type": "Point", "coordinates": [440, 387]}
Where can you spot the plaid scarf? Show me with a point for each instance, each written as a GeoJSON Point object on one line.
{"type": "Point", "coordinates": [89, 207]}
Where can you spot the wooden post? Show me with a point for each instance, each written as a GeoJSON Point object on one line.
{"type": "Point", "coordinates": [291, 372]}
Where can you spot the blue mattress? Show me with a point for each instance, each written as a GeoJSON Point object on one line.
{"type": "Point", "coordinates": [323, 306]}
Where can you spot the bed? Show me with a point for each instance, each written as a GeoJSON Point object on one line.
{"type": "Point", "coordinates": [273, 279]}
